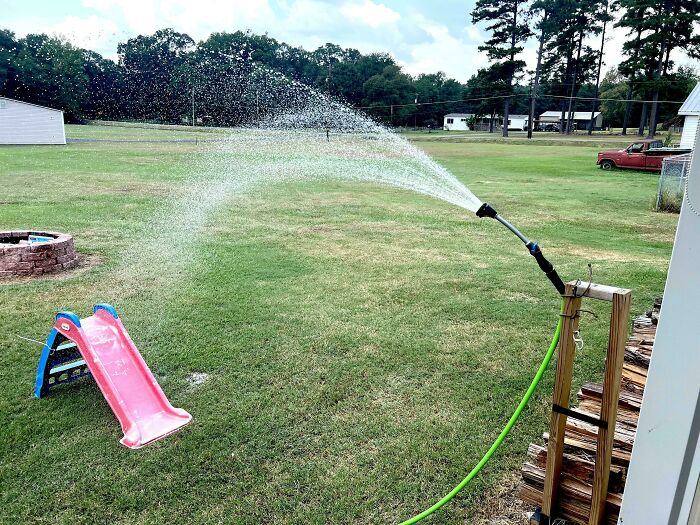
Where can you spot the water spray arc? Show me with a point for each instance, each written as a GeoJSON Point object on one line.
{"type": "Point", "coordinates": [486, 210]}
{"type": "Point", "coordinates": [286, 142]}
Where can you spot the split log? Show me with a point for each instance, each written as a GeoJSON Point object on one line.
{"type": "Point", "coordinates": [568, 507]}
{"type": "Point", "coordinates": [575, 445]}
{"type": "Point", "coordinates": [628, 400]}
{"type": "Point", "coordinates": [577, 467]}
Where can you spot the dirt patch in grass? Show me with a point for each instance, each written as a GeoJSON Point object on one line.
{"type": "Point", "coordinates": [197, 378]}
{"type": "Point", "coordinates": [607, 255]}
{"type": "Point", "coordinates": [501, 505]}
{"type": "Point", "coordinates": [141, 189]}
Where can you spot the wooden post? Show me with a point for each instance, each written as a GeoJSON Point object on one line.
{"type": "Point", "coordinates": [611, 394]}
{"type": "Point", "coordinates": [620, 299]}
{"type": "Point", "coordinates": [562, 393]}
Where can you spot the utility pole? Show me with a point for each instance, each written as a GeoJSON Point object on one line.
{"type": "Point", "coordinates": [192, 107]}
{"type": "Point", "coordinates": [415, 114]}
{"type": "Point", "coordinates": [328, 94]}
{"type": "Point", "coordinates": [591, 125]}
{"type": "Point", "coordinates": [536, 82]}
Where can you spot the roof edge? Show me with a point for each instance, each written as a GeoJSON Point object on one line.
{"type": "Point", "coordinates": [30, 104]}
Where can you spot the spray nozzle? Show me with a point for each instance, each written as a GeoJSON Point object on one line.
{"type": "Point", "coordinates": [486, 211]}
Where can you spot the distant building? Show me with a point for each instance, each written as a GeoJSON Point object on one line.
{"type": "Point", "coordinates": [580, 121]}
{"type": "Point", "coordinates": [690, 110]}
{"type": "Point", "coordinates": [456, 121]}
{"type": "Point", "coordinates": [25, 123]}
{"type": "Point", "coordinates": [517, 122]}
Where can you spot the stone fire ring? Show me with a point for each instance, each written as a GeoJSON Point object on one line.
{"type": "Point", "coordinates": [19, 257]}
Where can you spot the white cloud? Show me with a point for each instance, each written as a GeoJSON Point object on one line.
{"type": "Point", "coordinates": [197, 18]}
{"type": "Point", "coordinates": [444, 52]}
{"type": "Point", "coordinates": [216, 15]}
{"type": "Point", "coordinates": [370, 14]}
{"type": "Point", "coordinates": [141, 16]}
{"type": "Point", "coordinates": [306, 18]}
{"type": "Point", "coordinates": [473, 33]}
{"type": "Point", "coordinates": [92, 32]}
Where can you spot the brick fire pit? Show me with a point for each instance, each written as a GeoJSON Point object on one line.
{"type": "Point", "coordinates": [28, 253]}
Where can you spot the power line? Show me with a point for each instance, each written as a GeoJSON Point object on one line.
{"type": "Point", "coordinates": [612, 99]}
{"type": "Point", "coordinates": [516, 95]}
{"type": "Point", "coordinates": [434, 103]}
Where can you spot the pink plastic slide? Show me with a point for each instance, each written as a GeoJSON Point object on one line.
{"type": "Point", "coordinates": [143, 411]}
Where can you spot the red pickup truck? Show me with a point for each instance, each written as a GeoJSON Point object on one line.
{"type": "Point", "coordinates": [646, 154]}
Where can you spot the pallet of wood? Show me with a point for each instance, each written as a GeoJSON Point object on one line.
{"type": "Point", "coordinates": [576, 485]}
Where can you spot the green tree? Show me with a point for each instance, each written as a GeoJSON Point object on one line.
{"type": "Point", "coordinates": [660, 26]}
{"type": "Point", "coordinates": [509, 29]}
{"type": "Point", "coordinates": [106, 89]}
{"type": "Point", "coordinates": [50, 72]}
{"type": "Point", "coordinates": [152, 68]}
{"type": "Point", "coordinates": [568, 61]}
{"type": "Point", "coordinates": [484, 92]}
{"type": "Point", "coordinates": [614, 86]}
{"type": "Point", "coordinates": [436, 87]}
{"type": "Point", "coordinates": [220, 72]}
{"type": "Point", "coordinates": [8, 52]}
{"type": "Point", "coordinates": [389, 95]}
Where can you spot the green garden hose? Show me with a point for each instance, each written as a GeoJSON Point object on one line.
{"type": "Point", "coordinates": [502, 436]}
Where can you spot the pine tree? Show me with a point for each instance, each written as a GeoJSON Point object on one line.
{"type": "Point", "coordinates": [568, 60]}
{"type": "Point", "coordinates": [545, 28]}
{"type": "Point", "coordinates": [660, 26]}
{"type": "Point", "coordinates": [605, 18]}
{"type": "Point", "coordinates": [507, 23]}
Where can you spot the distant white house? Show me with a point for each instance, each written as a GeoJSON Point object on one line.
{"type": "Point", "coordinates": [580, 120]}
{"type": "Point", "coordinates": [25, 123]}
{"type": "Point", "coordinates": [456, 121]}
{"type": "Point", "coordinates": [517, 122]}
{"type": "Point", "coordinates": [690, 110]}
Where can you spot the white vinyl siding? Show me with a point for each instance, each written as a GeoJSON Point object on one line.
{"type": "Point", "coordinates": [455, 122]}
{"type": "Point", "coordinates": [22, 123]}
{"type": "Point", "coordinates": [690, 128]}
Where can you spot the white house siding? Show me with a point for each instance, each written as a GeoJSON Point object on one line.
{"type": "Point", "coordinates": [517, 123]}
{"type": "Point", "coordinates": [23, 123]}
{"type": "Point", "coordinates": [456, 122]}
{"type": "Point", "coordinates": [690, 128]}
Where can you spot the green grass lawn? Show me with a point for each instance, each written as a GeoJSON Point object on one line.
{"type": "Point", "coordinates": [363, 345]}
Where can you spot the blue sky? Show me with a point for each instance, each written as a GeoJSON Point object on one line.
{"type": "Point", "coordinates": [425, 36]}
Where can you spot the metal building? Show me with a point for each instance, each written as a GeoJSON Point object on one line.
{"type": "Point", "coordinates": [25, 123]}
{"type": "Point", "coordinates": [690, 110]}
{"type": "Point", "coordinates": [580, 120]}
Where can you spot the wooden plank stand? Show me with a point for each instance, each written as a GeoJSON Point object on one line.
{"type": "Point", "coordinates": [619, 319]}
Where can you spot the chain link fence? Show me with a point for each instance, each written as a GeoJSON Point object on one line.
{"type": "Point", "coordinates": [674, 173]}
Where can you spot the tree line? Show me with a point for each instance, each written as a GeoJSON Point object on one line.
{"type": "Point", "coordinates": [567, 63]}
{"type": "Point", "coordinates": [226, 78]}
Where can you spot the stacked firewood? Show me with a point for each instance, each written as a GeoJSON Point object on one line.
{"type": "Point", "coordinates": [576, 486]}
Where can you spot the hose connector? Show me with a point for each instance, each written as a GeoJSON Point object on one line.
{"type": "Point", "coordinates": [546, 266]}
